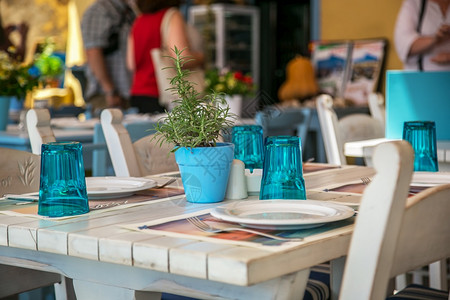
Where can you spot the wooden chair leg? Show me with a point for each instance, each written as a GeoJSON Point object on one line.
{"type": "Point", "coordinates": [438, 275]}
{"type": "Point", "coordinates": [400, 282]}
{"type": "Point", "coordinates": [337, 271]}
{"type": "Point", "coordinates": [64, 289]}
{"type": "Point", "coordinates": [417, 276]}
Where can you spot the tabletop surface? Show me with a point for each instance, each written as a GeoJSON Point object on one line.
{"type": "Point", "coordinates": [100, 237]}
{"type": "Point", "coordinates": [99, 247]}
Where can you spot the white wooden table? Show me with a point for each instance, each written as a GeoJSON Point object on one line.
{"type": "Point", "coordinates": [106, 261]}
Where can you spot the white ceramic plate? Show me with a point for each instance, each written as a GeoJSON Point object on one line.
{"type": "Point", "coordinates": [115, 187]}
{"type": "Point", "coordinates": [282, 214]}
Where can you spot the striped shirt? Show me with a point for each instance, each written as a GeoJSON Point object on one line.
{"type": "Point", "coordinates": [98, 22]}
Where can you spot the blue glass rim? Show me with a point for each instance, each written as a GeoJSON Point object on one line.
{"type": "Point", "coordinates": [241, 128]}
{"type": "Point", "coordinates": [283, 140]}
{"type": "Point", "coordinates": [413, 124]}
{"type": "Point", "coordinates": [61, 145]}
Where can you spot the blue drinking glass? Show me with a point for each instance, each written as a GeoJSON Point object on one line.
{"type": "Point", "coordinates": [62, 190]}
{"type": "Point", "coordinates": [422, 137]}
{"type": "Point", "coordinates": [248, 145]}
{"type": "Point", "coordinates": [283, 171]}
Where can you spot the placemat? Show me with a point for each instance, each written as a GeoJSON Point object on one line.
{"type": "Point", "coordinates": [359, 188]}
{"type": "Point", "coordinates": [30, 209]}
{"type": "Point", "coordinates": [179, 227]}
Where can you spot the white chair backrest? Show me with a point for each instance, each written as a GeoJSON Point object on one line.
{"type": "Point", "coordinates": [154, 158]}
{"type": "Point", "coordinates": [144, 157]}
{"type": "Point", "coordinates": [329, 127]}
{"type": "Point", "coordinates": [377, 108]}
{"type": "Point", "coordinates": [336, 133]}
{"type": "Point", "coordinates": [119, 144]}
{"type": "Point", "coordinates": [39, 130]}
{"type": "Point", "coordinates": [393, 233]}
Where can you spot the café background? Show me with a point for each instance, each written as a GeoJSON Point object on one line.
{"type": "Point", "coordinates": [328, 20]}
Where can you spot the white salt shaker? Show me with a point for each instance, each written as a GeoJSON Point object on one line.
{"type": "Point", "coordinates": [237, 183]}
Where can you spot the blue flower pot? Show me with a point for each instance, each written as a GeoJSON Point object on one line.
{"type": "Point", "coordinates": [204, 171]}
{"type": "Point", "coordinates": [16, 104]}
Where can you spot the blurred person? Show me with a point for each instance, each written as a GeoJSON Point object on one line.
{"type": "Point", "coordinates": [105, 26]}
{"type": "Point", "coordinates": [145, 35]}
{"type": "Point", "coordinates": [422, 35]}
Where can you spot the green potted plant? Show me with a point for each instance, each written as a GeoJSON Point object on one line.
{"type": "Point", "coordinates": [194, 127]}
{"type": "Point", "coordinates": [49, 64]}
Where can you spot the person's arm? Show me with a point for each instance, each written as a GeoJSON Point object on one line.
{"type": "Point", "coordinates": [441, 58]}
{"type": "Point", "coordinates": [424, 44]}
{"type": "Point", "coordinates": [177, 36]}
{"type": "Point", "coordinates": [130, 53]}
{"type": "Point", "coordinates": [96, 61]}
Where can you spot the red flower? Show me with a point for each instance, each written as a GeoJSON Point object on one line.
{"type": "Point", "coordinates": [239, 76]}
{"type": "Point", "coordinates": [248, 80]}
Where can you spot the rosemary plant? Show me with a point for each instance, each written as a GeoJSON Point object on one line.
{"type": "Point", "coordinates": [195, 121]}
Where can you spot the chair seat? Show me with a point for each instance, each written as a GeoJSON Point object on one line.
{"type": "Point", "coordinates": [415, 291]}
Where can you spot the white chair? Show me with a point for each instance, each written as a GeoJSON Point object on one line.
{"type": "Point", "coordinates": [141, 158]}
{"type": "Point", "coordinates": [395, 234]}
{"type": "Point", "coordinates": [359, 127]}
{"type": "Point", "coordinates": [20, 171]}
{"type": "Point", "coordinates": [377, 108]}
{"type": "Point", "coordinates": [336, 133]}
{"type": "Point", "coordinates": [39, 130]}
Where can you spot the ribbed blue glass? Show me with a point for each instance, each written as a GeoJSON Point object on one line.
{"type": "Point", "coordinates": [248, 145]}
{"type": "Point", "coordinates": [62, 190]}
{"type": "Point", "coordinates": [422, 137]}
{"type": "Point", "coordinates": [282, 171]}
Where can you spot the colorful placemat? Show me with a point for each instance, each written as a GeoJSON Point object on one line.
{"type": "Point", "coordinates": [179, 227]}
